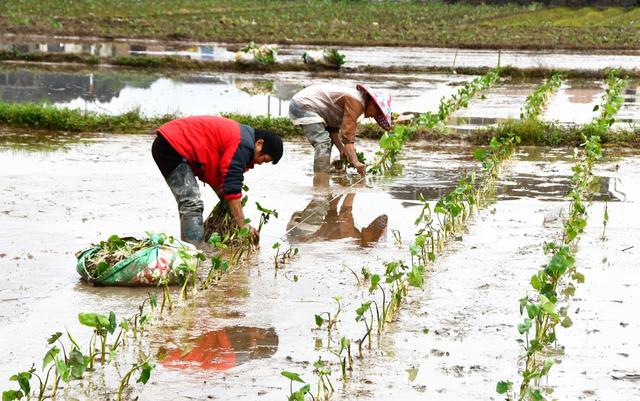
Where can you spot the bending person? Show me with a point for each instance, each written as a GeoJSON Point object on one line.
{"type": "Point", "coordinates": [218, 151]}
{"type": "Point", "coordinates": [328, 114]}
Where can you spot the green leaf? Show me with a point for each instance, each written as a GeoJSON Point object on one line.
{"type": "Point", "coordinates": [63, 370]}
{"type": "Point", "coordinates": [479, 154]}
{"type": "Point", "coordinates": [145, 373]}
{"type": "Point", "coordinates": [319, 320]}
{"type": "Point", "coordinates": [54, 337]}
{"type": "Point", "coordinates": [548, 363]}
{"type": "Point", "coordinates": [93, 320]}
{"type": "Point", "coordinates": [11, 395]}
{"type": "Point", "coordinates": [112, 322]}
{"type": "Point", "coordinates": [292, 376]}
{"type": "Point", "coordinates": [50, 356]}
{"type": "Point", "coordinates": [503, 386]}
{"type": "Point", "coordinates": [566, 322]}
{"type": "Point", "coordinates": [214, 238]}
{"type": "Point", "coordinates": [416, 276]}
{"type": "Point", "coordinates": [78, 363]}
{"type": "Point", "coordinates": [153, 300]}
{"type": "Point", "coordinates": [532, 310]}
{"type": "Point", "coordinates": [524, 327]}
{"type": "Point", "coordinates": [375, 280]}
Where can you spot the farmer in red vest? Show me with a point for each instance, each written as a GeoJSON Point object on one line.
{"type": "Point", "coordinates": [216, 150]}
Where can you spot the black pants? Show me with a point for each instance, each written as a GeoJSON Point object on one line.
{"type": "Point", "coordinates": [165, 156]}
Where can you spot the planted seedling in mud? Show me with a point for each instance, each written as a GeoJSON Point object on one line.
{"type": "Point", "coordinates": [102, 327]}
{"type": "Point", "coordinates": [24, 384]}
{"type": "Point", "coordinates": [605, 220]}
{"type": "Point", "coordinates": [166, 293]}
{"type": "Point", "coordinates": [361, 317]}
{"type": "Point", "coordinates": [187, 270]}
{"type": "Point", "coordinates": [331, 322]}
{"type": "Point", "coordinates": [325, 388]}
{"type": "Point", "coordinates": [280, 259]}
{"type": "Point", "coordinates": [300, 393]}
{"type": "Point", "coordinates": [145, 369]}
{"type": "Point", "coordinates": [345, 348]}
{"type": "Point", "coordinates": [265, 215]}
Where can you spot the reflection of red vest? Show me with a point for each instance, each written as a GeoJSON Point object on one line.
{"type": "Point", "coordinates": [211, 351]}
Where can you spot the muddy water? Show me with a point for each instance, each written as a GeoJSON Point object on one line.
{"type": "Point", "coordinates": [112, 92]}
{"type": "Point", "coordinates": [355, 56]}
{"type": "Point", "coordinates": [232, 341]}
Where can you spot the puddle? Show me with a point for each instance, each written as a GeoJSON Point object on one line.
{"type": "Point", "coordinates": [233, 341]}
{"type": "Point", "coordinates": [355, 56]}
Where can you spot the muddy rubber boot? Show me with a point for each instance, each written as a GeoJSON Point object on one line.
{"type": "Point", "coordinates": [322, 157]}
{"type": "Point", "coordinates": [374, 231]}
{"type": "Point", "coordinates": [319, 138]}
{"type": "Point", "coordinates": [185, 189]}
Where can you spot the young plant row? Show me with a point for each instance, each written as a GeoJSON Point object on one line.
{"type": "Point", "coordinates": [392, 142]}
{"type": "Point", "coordinates": [435, 225]}
{"type": "Point", "coordinates": [535, 102]}
{"type": "Point", "coordinates": [541, 311]}
{"type": "Point", "coordinates": [64, 362]}
{"type": "Point", "coordinates": [387, 291]}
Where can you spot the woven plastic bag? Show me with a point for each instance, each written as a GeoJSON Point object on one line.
{"type": "Point", "coordinates": [156, 260]}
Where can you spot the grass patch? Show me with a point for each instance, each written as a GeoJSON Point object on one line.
{"type": "Point", "coordinates": [317, 22]}
{"type": "Point", "coordinates": [41, 116]}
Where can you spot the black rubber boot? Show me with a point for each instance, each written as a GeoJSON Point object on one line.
{"type": "Point", "coordinates": [185, 189]}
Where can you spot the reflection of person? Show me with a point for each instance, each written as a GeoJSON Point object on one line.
{"type": "Point", "coordinates": [218, 151]}
{"type": "Point", "coordinates": [222, 349]}
{"type": "Point", "coordinates": [321, 220]}
{"type": "Point", "coordinates": [328, 114]}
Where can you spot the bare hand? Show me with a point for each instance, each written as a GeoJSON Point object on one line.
{"type": "Point", "coordinates": [362, 168]}
{"type": "Point", "coordinates": [254, 234]}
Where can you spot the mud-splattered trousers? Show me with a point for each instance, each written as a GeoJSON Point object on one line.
{"type": "Point", "coordinates": [313, 127]}
{"type": "Point", "coordinates": [184, 186]}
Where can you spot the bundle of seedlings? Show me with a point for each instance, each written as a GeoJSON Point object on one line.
{"type": "Point", "coordinates": [113, 251]}
{"type": "Point", "coordinates": [221, 221]}
{"type": "Point", "coordinates": [328, 57]}
{"type": "Point", "coordinates": [257, 54]}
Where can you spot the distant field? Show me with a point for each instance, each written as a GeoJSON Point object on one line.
{"type": "Point", "coordinates": [330, 22]}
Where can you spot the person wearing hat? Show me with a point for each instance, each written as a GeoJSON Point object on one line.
{"type": "Point", "coordinates": [328, 115]}
{"type": "Point", "coordinates": [218, 151]}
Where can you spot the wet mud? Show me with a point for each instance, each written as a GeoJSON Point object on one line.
{"type": "Point", "coordinates": [454, 340]}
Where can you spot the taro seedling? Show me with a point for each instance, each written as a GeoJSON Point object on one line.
{"type": "Point", "coordinates": [345, 347]}
{"type": "Point", "coordinates": [325, 388]}
{"type": "Point", "coordinates": [605, 220]}
{"type": "Point", "coordinates": [24, 384]}
{"type": "Point", "coordinates": [265, 215]}
{"type": "Point", "coordinates": [145, 369]}
{"type": "Point", "coordinates": [331, 322]}
{"type": "Point", "coordinates": [281, 258]}
{"type": "Point", "coordinates": [361, 317]}
{"type": "Point", "coordinates": [300, 393]}
{"type": "Point", "coordinates": [102, 327]}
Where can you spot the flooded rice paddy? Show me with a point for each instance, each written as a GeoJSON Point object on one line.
{"type": "Point", "coordinates": [452, 341]}
{"type": "Point", "coordinates": [116, 91]}
{"type": "Point", "coordinates": [355, 56]}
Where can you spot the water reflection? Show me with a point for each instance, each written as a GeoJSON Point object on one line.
{"type": "Point", "coordinates": [221, 349]}
{"type": "Point", "coordinates": [330, 217]}
{"type": "Point", "coordinates": [113, 49]}
{"type": "Point", "coordinates": [519, 185]}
